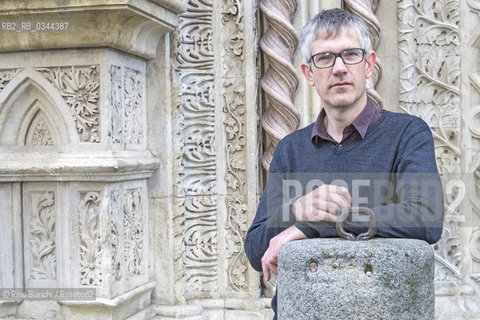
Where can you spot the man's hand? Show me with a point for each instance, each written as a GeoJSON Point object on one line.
{"type": "Point", "coordinates": [269, 259]}
{"type": "Point", "coordinates": [322, 204]}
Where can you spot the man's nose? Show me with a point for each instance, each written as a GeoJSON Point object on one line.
{"type": "Point", "coordinates": [339, 66]}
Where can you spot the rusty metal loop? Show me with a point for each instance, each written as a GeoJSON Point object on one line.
{"type": "Point", "coordinates": [343, 215]}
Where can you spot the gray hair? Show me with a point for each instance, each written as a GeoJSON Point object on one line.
{"type": "Point", "coordinates": [328, 24]}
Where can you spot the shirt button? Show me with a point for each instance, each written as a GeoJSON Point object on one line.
{"type": "Point", "coordinates": [339, 145]}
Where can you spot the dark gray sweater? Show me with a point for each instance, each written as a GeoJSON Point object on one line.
{"type": "Point", "coordinates": [392, 171]}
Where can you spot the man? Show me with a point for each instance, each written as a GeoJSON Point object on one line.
{"type": "Point", "coordinates": [351, 140]}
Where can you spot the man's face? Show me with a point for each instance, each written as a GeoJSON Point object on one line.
{"type": "Point", "coordinates": [340, 86]}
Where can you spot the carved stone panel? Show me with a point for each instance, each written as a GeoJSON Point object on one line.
{"type": "Point", "coordinates": [195, 123]}
{"type": "Point", "coordinates": [429, 44]}
{"type": "Point", "coordinates": [234, 113]}
{"type": "Point", "coordinates": [470, 113]}
{"type": "Point", "coordinates": [127, 103]}
{"type": "Point", "coordinates": [116, 238]}
{"type": "Point", "coordinates": [134, 226]}
{"type": "Point", "coordinates": [79, 86]}
{"type": "Point", "coordinates": [90, 231]}
{"type": "Point", "coordinates": [41, 236]}
{"type": "Point", "coordinates": [127, 237]}
{"type": "Point", "coordinates": [201, 246]}
{"type": "Point", "coordinates": [117, 104]}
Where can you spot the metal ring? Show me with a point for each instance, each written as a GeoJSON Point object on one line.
{"type": "Point", "coordinates": [372, 223]}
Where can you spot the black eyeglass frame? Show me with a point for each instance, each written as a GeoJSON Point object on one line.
{"type": "Point", "coordinates": [338, 54]}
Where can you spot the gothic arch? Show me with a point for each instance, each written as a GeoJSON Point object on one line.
{"type": "Point", "coordinates": [29, 99]}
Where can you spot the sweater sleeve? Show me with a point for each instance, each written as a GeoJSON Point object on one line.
{"type": "Point", "coordinates": [272, 217]}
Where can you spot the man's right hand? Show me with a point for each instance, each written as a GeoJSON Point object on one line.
{"type": "Point", "coordinates": [270, 258]}
{"type": "Point", "coordinates": [322, 204]}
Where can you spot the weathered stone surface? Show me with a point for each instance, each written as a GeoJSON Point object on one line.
{"type": "Point", "coordinates": [131, 26]}
{"type": "Point", "coordinates": [339, 279]}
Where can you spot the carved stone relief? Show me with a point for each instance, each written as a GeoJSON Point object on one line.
{"type": "Point", "coordinates": [195, 169]}
{"type": "Point", "coordinates": [473, 240]}
{"type": "Point", "coordinates": [116, 238]}
{"type": "Point", "coordinates": [79, 86]}
{"type": "Point", "coordinates": [116, 102]}
{"type": "Point", "coordinates": [6, 76]}
{"type": "Point", "coordinates": [134, 227]}
{"type": "Point", "coordinates": [235, 148]}
{"type": "Point", "coordinates": [126, 231]}
{"type": "Point", "coordinates": [133, 86]}
{"type": "Point", "coordinates": [90, 239]}
{"type": "Point", "coordinates": [428, 43]}
{"type": "Point", "coordinates": [178, 205]}
{"type": "Point", "coordinates": [80, 212]}
{"type": "Point", "coordinates": [39, 132]}
{"type": "Point", "coordinates": [127, 104]}
{"type": "Point", "coordinates": [42, 230]}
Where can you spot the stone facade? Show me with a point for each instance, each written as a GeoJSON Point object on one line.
{"type": "Point", "coordinates": [132, 134]}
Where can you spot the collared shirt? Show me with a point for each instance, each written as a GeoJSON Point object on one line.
{"type": "Point", "coordinates": [359, 126]}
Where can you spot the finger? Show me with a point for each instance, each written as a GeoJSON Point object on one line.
{"type": "Point", "coordinates": [326, 205]}
{"type": "Point", "coordinates": [322, 215]}
{"type": "Point", "coordinates": [273, 268]}
{"type": "Point", "coordinates": [266, 273]}
{"type": "Point", "coordinates": [342, 191]}
{"type": "Point", "coordinates": [339, 200]}
{"type": "Point", "coordinates": [332, 188]}
{"type": "Point", "coordinates": [337, 194]}
{"type": "Point", "coordinates": [330, 217]}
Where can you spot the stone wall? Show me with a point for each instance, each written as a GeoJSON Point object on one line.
{"type": "Point", "coordinates": [131, 144]}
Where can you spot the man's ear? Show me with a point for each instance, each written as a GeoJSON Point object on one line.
{"type": "Point", "coordinates": [370, 59]}
{"type": "Point", "coordinates": [307, 72]}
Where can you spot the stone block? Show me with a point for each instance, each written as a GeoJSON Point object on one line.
{"type": "Point", "coordinates": [339, 279]}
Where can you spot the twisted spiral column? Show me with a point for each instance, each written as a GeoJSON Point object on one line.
{"type": "Point", "coordinates": [365, 9]}
{"type": "Point", "coordinates": [280, 81]}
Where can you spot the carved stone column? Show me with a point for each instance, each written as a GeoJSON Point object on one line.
{"type": "Point", "coordinates": [365, 9]}
{"type": "Point", "coordinates": [73, 153]}
{"type": "Point", "coordinates": [280, 80]}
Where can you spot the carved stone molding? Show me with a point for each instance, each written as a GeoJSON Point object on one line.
{"type": "Point", "coordinates": [195, 167]}
{"type": "Point", "coordinates": [178, 205]}
{"type": "Point", "coordinates": [280, 81]}
{"type": "Point", "coordinates": [365, 9]}
{"type": "Point", "coordinates": [235, 148]}
{"type": "Point", "coordinates": [201, 246]}
{"type": "Point", "coordinates": [134, 27]}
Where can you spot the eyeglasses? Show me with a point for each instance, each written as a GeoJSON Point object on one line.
{"type": "Point", "coordinates": [325, 60]}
